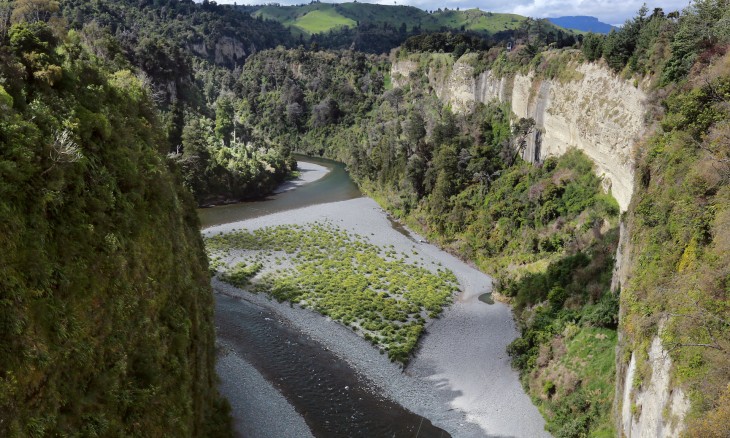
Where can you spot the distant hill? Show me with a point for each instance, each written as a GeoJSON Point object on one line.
{"type": "Point", "coordinates": [317, 18]}
{"type": "Point", "coordinates": [582, 23]}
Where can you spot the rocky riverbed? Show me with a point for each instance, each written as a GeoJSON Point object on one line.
{"type": "Point", "coordinates": [460, 377]}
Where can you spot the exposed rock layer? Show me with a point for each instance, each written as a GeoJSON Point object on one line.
{"type": "Point", "coordinates": [596, 112]}
{"type": "Point", "coordinates": [601, 114]}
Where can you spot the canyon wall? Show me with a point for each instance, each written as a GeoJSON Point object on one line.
{"type": "Point", "coordinates": [590, 108]}
{"type": "Point", "coordinates": [594, 111]}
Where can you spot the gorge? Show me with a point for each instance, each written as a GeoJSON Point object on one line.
{"type": "Point", "coordinates": [524, 230]}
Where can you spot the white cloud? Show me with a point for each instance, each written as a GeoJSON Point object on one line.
{"type": "Point", "coordinates": [609, 11]}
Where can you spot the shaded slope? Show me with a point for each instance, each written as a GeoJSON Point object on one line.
{"type": "Point", "coordinates": [106, 322]}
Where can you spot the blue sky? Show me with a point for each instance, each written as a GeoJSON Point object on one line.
{"type": "Point", "coordinates": [608, 11]}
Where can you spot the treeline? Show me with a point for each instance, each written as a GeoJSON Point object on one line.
{"type": "Point", "coordinates": [106, 326]}
{"type": "Point", "coordinates": [692, 38]}
{"type": "Point", "coordinates": [446, 42]}
{"type": "Point", "coordinates": [188, 55]}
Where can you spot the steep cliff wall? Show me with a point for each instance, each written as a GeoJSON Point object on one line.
{"type": "Point", "coordinates": [106, 326]}
{"type": "Point", "coordinates": [655, 411]}
{"type": "Point", "coordinates": [225, 51]}
{"type": "Point", "coordinates": [595, 111]}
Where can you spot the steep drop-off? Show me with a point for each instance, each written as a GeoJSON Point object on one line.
{"type": "Point", "coordinates": [590, 109]}
{"type": "Point", "coordinates": [671, 182]}
{"type": "Point", "coordinates": [106, 323]}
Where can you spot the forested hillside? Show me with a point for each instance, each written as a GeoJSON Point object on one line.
{"type": "Point", "coordinates": [377, 28]}
{"type": "Point", "coordinates": [106, 322]}
{"type": "Point", "coordinates": [188, 55]}
{"type": "Point", "coordinates": [547, 232]}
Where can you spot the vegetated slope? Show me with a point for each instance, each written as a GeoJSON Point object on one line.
{"type": "Point", "coordinates": [393, 15]}
{"type": "Point", "coordinates": [322, 21]}
{"type": "Point", "coordinates": [106, 322]}
{"type": "Point", "coordinates": [311, 18]}
{"type": "Point", "coordinates": [218, 33]}
{"type": "Point", "coordinates": [674, 266]}
{"type": "Point", "coordinates": [378, 28]}
{"type": "Point", "coordinates": [186, 53]}
{"type": "Point", "coordinates": [354, 13]}
{"type": "Point", "coordinates": [582, 23]}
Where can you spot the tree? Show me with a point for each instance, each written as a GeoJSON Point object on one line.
{"type": "Point", "coordinates": [224, 123]}
{"type": "Point", "coordinates": [415, 130]}
{"type": "Point", "coordinates": [34, 10]}
{"type": "Point", "coordinates": [5, 13]}
{"type": "Point", "coordinates": [592, 46]}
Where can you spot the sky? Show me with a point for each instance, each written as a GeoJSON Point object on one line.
{"type": "Point", "coordinates": [614, 12]}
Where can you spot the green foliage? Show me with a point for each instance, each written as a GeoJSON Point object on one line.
{"type": "Point", "coordinates": [240, 274]}
{"type": "Point", "coordinates": [684, 200]}
{"type": "Point", "coordinates": [702, 25]}
{"type": "Point", "coordinates": [669, 44]}
{"type": "Point", "coordinates": [318, 21]}
{"type": "Point", "coordinates": [374, 290]}
{"type": "Point", "coordinates": [457, 43]}
{"type": "Point", "coordinates": [592, 46]}
{"type": "Point", "coordinates": [106, 326]}
{"type": "Point", "coordinates": [378, 28]}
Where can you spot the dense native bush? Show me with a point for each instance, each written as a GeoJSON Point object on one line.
{"type": "Point", "coordinates": [680, 290]}
{"type": "Point", "coordinates": [106, 324]}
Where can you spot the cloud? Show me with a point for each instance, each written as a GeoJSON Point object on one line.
{"type": "Point", "coordinates": [608, 11]}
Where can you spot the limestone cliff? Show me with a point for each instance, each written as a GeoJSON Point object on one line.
{"type": "Point", "coordinates": [224, 51]}
{"type": "Point", "coordinates": [595, 111]}
{"type": "Point", "coordinates": [656, 410]}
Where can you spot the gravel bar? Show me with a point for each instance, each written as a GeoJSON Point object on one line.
{"type": "Point", "coordinates": [460, 378]}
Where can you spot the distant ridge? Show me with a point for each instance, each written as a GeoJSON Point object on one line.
{"type": "Point", "coordinates": [583, 23]}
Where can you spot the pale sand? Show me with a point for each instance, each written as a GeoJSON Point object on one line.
{"type": "Point", "coordinates": [460, 378]}
{"type": "Point", "coordinates": [308, 172]}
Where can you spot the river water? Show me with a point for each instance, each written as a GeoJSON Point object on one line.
{"type": "Point", "coordinates": [333, 398]}
{"type": "Point", "coordinates": [335, 186]}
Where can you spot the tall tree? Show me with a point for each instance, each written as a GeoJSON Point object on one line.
{"type": "Point", "coordinates": [34, 10]}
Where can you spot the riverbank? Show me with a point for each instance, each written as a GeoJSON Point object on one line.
{"type": "Point", "coordinates": [308, 173]}
{"type": "Point", "coordinates": [258, 408]}
{"type": "Point", "coordinates": [461, 378]}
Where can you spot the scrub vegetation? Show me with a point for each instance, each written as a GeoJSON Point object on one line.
{"type": "Point", "coordinates": [106, 311]}
{"type": "Point", "coordinates": [385, 295]}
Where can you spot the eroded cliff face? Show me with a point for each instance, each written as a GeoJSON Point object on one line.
{"type": "Point", "coordinates": [596, 112]}
{"type": "Point", "coordinates": [656, 410]}
{"type": "Point", "coordinates": [226, 51]}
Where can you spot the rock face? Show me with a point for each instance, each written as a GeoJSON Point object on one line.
{"type": "Point", "coordinates": [226, 51]}
{"type": "Point", "coordinates": [654, 410]}
{"type": "Point", "coordinates": [600, 114]}
{"type": "Point", "coordinates": [596, 112]}
{"type": "Point", "coordinates": [400, 72]}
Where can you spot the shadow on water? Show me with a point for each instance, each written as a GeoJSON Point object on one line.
{"type": "Point", "coordinates": [486, 298]}
{"type": "Point", "coordinates": [333, 399]}
{"type": "Point", "coordinates": [335, 186]}
{"type": "Point", "coordinates": [399, 227]}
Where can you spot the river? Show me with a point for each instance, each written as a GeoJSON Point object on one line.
{"type": "Point", "coordinates": [312, 373]}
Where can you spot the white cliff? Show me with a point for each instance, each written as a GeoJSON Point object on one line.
{"type": "Point", "coordinates": [652, 410]}
{"type": "Point", "coordinates": [596, 112]}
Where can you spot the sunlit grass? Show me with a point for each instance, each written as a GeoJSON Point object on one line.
{"type": "Point", "coordinates": [383, 294]}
